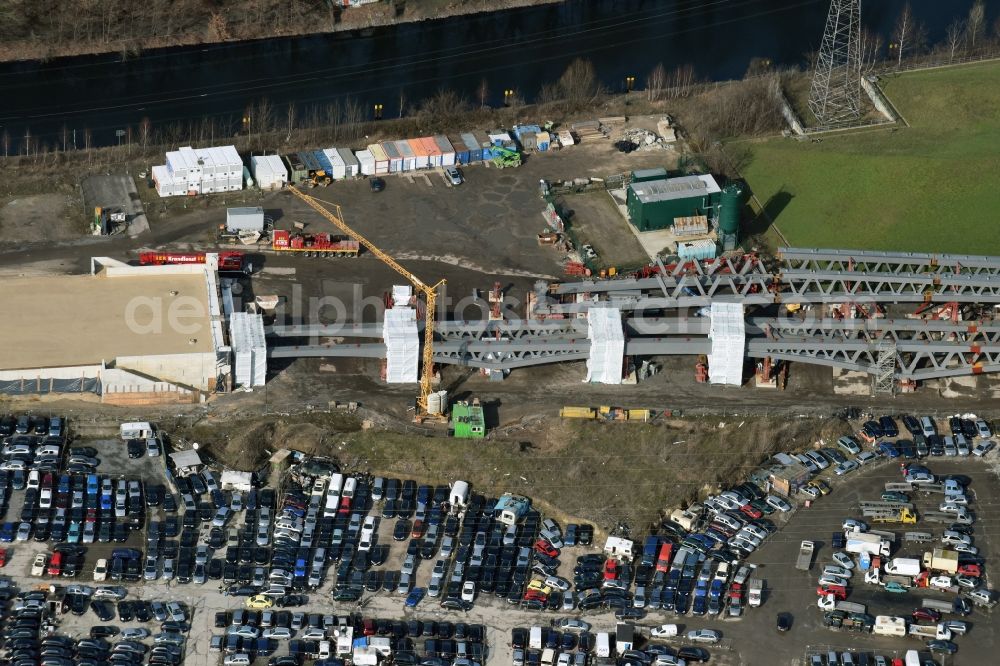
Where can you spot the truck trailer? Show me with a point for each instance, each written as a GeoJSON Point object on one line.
{"type": "Point", "coordinates": [873, 544]}
{"type": "Point", "coordinates": [937, 632]}
{"type": "Point", "coordinates": [830, 602]}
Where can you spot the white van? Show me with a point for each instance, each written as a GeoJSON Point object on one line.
{"type": "Point", "coordinates": [33, 478]}
{"type": "Point", "coordinates": [603, 647]}
{"type": "Point", "coordinates": [535, 638]}
{"type": "Point", "coordinates": [350, 485]}
{"type": "Point", "coordinates": [336, 483]}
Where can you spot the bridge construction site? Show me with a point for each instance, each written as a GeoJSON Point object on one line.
{"type": "Point", "coordinates": [900, 318]}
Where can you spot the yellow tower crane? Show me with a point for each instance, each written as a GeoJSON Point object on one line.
{"type": "Point", "coordinates": [429, 292]}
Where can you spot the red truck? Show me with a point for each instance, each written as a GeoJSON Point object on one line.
{"type": "Point", "coordinates": [839, 592]}
{"type": "Point", "coordinates": [230, 261]}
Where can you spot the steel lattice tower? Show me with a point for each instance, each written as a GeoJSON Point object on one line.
{"type": "Point", "coordinates": [835, 94]}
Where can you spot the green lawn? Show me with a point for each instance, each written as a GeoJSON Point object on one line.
{"type": "Point", "coordinates": [932, 187]}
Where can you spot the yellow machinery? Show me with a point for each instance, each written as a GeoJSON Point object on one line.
{"type": "Point", "coordinates": [429, 292]}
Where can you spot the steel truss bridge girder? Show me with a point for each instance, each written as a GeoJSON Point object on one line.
{"type": "Point", "coordinates": [864, 261]}
{"type": "Point", "coordinates": [922, 349]}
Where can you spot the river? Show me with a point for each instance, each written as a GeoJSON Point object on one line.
{"type": "Point", "coordinates": [515, 49]}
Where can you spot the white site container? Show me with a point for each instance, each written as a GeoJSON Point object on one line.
{"type": "Point", "coordinates": [366, 161]}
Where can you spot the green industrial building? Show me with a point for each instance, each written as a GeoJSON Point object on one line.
{"type": "Point", "coordinates": [468, 421]}
{"type": "Point", "coordinates": [653, 201]}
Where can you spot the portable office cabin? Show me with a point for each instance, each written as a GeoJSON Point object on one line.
{"type": "Point", "coordinates": [408, 159]}
{"type": "Point", "coordinates": [381, 159]}
{"type": "Point", "coordinates": [475, 148]}
{"type": "Point", "coordinates": [395, 159]}
{"type": "Point", "coordinates": [447, 150]}
{"type": "Point", "coordinates": [297, 171]}
{"type": "Point", "coordinates": [421, 156]}
{"type": "Point", "coordinates": [461, 150]}
{"type": "Point", "coordinates": [249, 218]}
{"type": "Point", "coordinates": [269, 171]}
{"type": "Point", "coordinates": [645, 175]}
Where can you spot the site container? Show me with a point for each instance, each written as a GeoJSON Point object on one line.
{"type": "Point", "coordinates": [434, 154]}
{"type": "Point", "coordinates": [461, 150]}
{"type": "Point", "coordinates": [422, 157]}
{"type": "Point", "coordinates": [472, 144]}
{"type": "Point", "coordinates": [447, 150]}
{"type": "Point", "coordinates": [366, 161]}
{"type": "Point", "coordinates": [381, 159]}
{"type": "Point", "coordinates": [395, 160]}
{"type": "Point", "coordinates": [699, 249]}
{"type": "Point", "coordinates": [483, 139]}
{"type": "Point", "coordinates": [409, 160]}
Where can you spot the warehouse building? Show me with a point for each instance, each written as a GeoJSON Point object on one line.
{"type": "Point", "coordinates": [654, 201]}
{"type": "Point", "coordinates": [130, 334]}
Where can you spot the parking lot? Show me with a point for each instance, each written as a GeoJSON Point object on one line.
{"type": "Point", "coordinates": [357, 548]}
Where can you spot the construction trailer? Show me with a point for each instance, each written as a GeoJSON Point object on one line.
{"type": "Point", "coordinates": [654, 204]}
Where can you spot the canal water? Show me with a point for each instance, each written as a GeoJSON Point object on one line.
{"type": "Point", "coordinates": [518, 49]}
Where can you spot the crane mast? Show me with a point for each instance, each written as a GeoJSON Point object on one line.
{"type": "Point", "coordinates": [429, 292]}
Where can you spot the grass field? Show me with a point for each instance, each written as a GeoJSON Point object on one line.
{"type": "Point", "coordinates": [932, 187]}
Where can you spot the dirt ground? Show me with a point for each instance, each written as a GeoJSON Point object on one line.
{"type": "Point", "coordinates": [39, 217]}
{"type": "Point", "coordinates": [597, 221]}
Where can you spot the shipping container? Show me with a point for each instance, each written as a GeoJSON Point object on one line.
{"type": "Point", "coordinates": [543, 140]}
{"type": "Point", "coordinates": [447, 150]}
{"type": "Point", "coordinates": [485, 144]}
{"type": "Point", "coordinates": [297, 172]}
{"type": "Point", "coordinates": [395, 160]}
{"type": "Point", "coordinates": [324, 162]}
{"type": "Point", "coordinates": [475, 148]}
{"type": "Point", "coordinates": [409, 160]}
{"type": "Point", "coordinates": [381, 159]}
{"type": "Point", "coordinates": [461, 150]}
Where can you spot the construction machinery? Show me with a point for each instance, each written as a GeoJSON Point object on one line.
{"type": "Point", "coordinates": [505, 157]}
{"type": "Point", "coordinates": [320, 244]}
{"type": "Point", "coordinates": [229, 261]}
{"type": "Point", "coordinates": [429, 292]}
{"type": "Point", "coordinates": [319, 178]}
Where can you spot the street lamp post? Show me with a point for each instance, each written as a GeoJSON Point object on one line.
{"type": "Point", "coordinates": [378, 112]}
{"type": "Point", "coordinates": [507, 95]}
{"type": "Point", "coordinates": [629, 82]}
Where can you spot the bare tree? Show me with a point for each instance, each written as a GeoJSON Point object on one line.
{"type": "Point", "coordinates": [870, 46]}
{"type": "Point", "coordinates": [975, 25]}
{"type": "Point", "coordinates": [656, 81]}
{"type": "Point", "coordinates": [903, 34]}
{"type": "Point", "coordinates": [579, 84]}
{"type": "Point", "coordinates": [144, 129]}
{"type": "Point", "coordinates": [291, 121]}
{"type": "Point", "coordinates": [5, 139]}
{"type": "Point", "coordinates": [953, 37]}
{"type": "Point", "coordinates": [483, 92]}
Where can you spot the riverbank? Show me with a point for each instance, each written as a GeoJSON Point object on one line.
{"type": "Point", "coordinates": [131, 27]}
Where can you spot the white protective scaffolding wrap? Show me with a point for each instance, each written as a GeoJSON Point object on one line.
{"type": "Point", "coordinates": [402, 345]}
{"type": "Point", "coordinates": [728, 335]}
{"type": "Point", "coordinates": [249, 349]}
{"type": "Point", "coordinates": [607, 345]}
